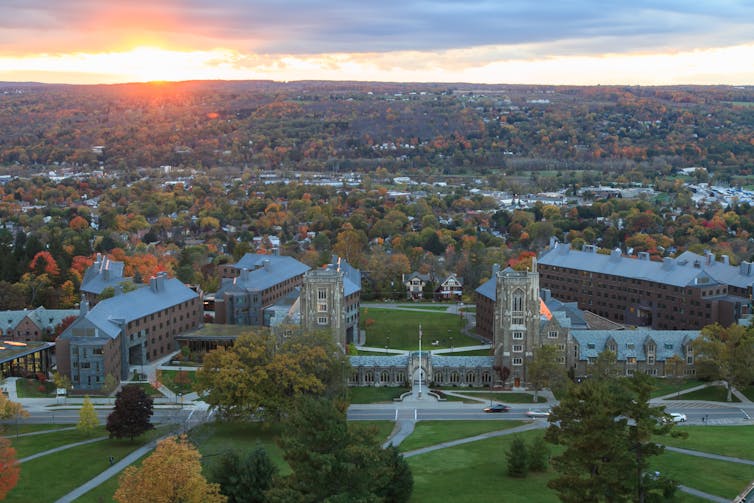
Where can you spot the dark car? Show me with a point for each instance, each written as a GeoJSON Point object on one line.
{"type": "Point", "coordinates": [498, 407]}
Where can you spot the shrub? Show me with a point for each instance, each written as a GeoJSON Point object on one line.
{"type": "Point", "coordinates": [518, 465]}
{"type": "Point", "coordinates": [539, 455]}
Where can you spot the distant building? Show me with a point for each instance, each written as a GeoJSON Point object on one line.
{"type": "Point", "coordinates": [683, 293]}
{"type": "Point", "coordinates": [101, 275]}
{"type": "Point", "coordinates": [415, 283]}
{"type": "Point", "coordinates": [451, 288]}
{"type": "Point", "coordinates": [35, 325]}
{"type": "Point", "coordinates": [129, 329]}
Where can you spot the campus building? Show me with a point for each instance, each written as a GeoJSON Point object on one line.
{"type": "Point", "coordinates": [129, 329]}
{"type": "Point", "coordinates": [33, 325]}
{"type": "Point", "coordinates": [682, 293]}
{"type": "Point", "coordinates": [254, 283]}
{"type": "Point", "coordinates": [102, 275]}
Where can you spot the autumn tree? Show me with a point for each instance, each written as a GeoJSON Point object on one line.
{"type": "Point", "coordinates": [544, 369]}
{"type": "Point", "coordinates": [9, 467]}
{"type": "Point", "coordinates": [10, 409]}
{"type": "Point", "coordinates": [726, 354]}
{"type": "Point", "coordinates": [88, 420]}
{"type": "Point", "coordinates": [130, 416]}
{"type": "Point", "coordinates": [260, 373]}
{"type": "Point", "coordinates": [171, 474]}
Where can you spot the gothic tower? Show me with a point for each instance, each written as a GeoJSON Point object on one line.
{"type": "Point", "coordinates": [517, 321]}
{"type": "Point", "coordinates": [322, 303]}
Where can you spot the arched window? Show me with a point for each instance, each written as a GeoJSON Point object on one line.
{"type": "Point", "coordinates": [517, 307]}
{"type": "Point", "coordinates": [369, 377]}
{"type": "Point", "coordinates": [384, 376]}
{"type": "Point", "coordinates": [454, 377]}
{"type": "Point", "coordinates": [486, 378]}
{"type": "Point", "coordinates": [470, 378]}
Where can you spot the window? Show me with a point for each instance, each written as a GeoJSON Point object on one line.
{"type": "Point", "coordinates": [552, 334]}
{"type": "Point", "coordinates": [650, 360]}
{"type": "Point", "coordinates": [322, 307]}
{"type": "Point", "coordinates": [470, 377]}
{"type": "Point", "coordinates": [668, 346]}
{"type": "Point", "coordinates": [630, 345]}
{"type": "Point", "coordinates": [322, 294]}
{"type": "Point", "coordinates": [454, 377]}
{"type": "Point", "coordinates": [690, 360]}
{"type": "Point", "coordinates": [631, 360]}
{"type": "Point", "coordinates": [561, 347]}
{"type": "Point", "coordinates": [322, 320]}
{"type": "Point", "coordinates": [652, 372]}
{"type": "Point", "coordinates": [384, 376]}
{"type": "Point", "coordinates": [590, 346]}
{"type": "Point", "coordinates": [517, 348]}
{"type": "Point", "coordinates": [518, 335]}
{"type": "Point", "coordinates": [518, 361]}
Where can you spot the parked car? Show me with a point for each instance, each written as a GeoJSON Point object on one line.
{"type": "Point", "coordinates": [498, 407]}
{"type": "Point", "coordinates": [538, 413]}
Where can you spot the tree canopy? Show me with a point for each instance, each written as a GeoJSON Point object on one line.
{"type": "Point", "coordinates": [131, 414]}
{"type": "Point", "coordinates": [726, 354]}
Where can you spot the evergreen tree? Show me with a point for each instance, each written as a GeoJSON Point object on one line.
{"type": "Point", "coordinates": [539, 455]}
{"type": "Point", "coordinates": [88, 419]}
{"type": "Point", "coordinates": [130, 417]}
{"type": "Point", "coordinates": [518, 458]}
{"type": "Point", "coordinates": [244, 479]}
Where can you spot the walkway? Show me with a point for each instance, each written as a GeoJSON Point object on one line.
{"type": "Point", "coordinates": [61, 448]}
{"type": "Point", "coordinates": [518, 429]}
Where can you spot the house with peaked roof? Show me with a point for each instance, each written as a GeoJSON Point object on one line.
{"type": "Point", "coordinates": [126, 330]}
{"type": "Point", "coordinates": [415, 283]}
{"type": "Point", "coordinates": [686, 292]}
{"type": "Point", "coordinates": [451, 288]}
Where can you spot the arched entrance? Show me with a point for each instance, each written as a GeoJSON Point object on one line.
{"type": "Point", "coordinates": [419, 376]}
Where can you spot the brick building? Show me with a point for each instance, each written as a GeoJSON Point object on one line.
{"type": "Point", "coordinates": [33, 325]}
{"type": "Point", "coordinates": [101, 275]}
{"type": "Point", "coordinates": [129, 329]}
{"type": "Point", "coordinates": [683, 293]}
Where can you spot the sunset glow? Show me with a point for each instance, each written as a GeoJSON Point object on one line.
{"type": "Point", "coordinates": [512, 42]}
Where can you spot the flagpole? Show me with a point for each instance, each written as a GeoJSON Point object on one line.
{"type": "Point", "coordinates": [420, 360]}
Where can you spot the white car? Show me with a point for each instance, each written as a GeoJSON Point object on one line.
{"type": "Point", "coordinates": [539, 413]}
{"type": "Point", "coordinates": [677, 417]}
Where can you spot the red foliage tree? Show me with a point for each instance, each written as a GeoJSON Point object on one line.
{"type": "Point", "coordinates": [9, 468]}
{"type": "Point", "coordinates": [44, 263]}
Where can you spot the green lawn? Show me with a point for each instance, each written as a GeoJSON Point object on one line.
{"type": "Point", "coordinates": [375, 394]}
{"type": "Point", "coordinates": [214, 439]}
{"type": "Point", "coordinates": [105, 491]}
{"type": "Point", "coordinates": [10, 428]}
{"type": "Point", "coordinates": [735, 441]}
{"type": "Point", "coordinates": [31, 388]}
{"type": "Point", "coordinates": [148, 389]}
{"type": "Point", "coordinates": [748, 392]}
{"type": "Point", "coordinates": [178, 381]}
{"type": "Point", "coordinates": [26, 446]}
{"type": "Point", "coordinates": [501, 396]}
{"type": "Point", "coordinates": [476, 352]}
{"type": "Point", "coordinates": [383, 429]}
{"type": "Point", "coordinates": [428, 433]}
{"type": "Point", "coordinates": [402, 329]}
{"type": "Point", "coordinates": [50, 477]}
{"type": "Point", "coordinates": [667, 386]}
{"type": "Point", "coordinates": [710, 393]}
{"type": "Point", "coordinates": [715, 477]}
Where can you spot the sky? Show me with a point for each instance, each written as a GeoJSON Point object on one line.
{"type": "Point", "coordinates": [575, 42]}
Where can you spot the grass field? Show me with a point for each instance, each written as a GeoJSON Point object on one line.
{"type": "Point", "coordinates": [710, 393]}
{"type": "Point", "coordinates": [501, 396]}
{"type": "Point", "coordinates": [428, 433]}
{"type": "Point", "coordinates": [708, 475]}
{"type": "Point", "coordinates": [178, 381]}
{"type": "Point", "coordinates": [26, 446]}
{"type": "Point", "coordinates": [10, 429]}
{"type": "Point", "coordinates": [400, 329]}
{"type": "Point", "coordinates": [31, 388]}
{"type": "Point", "coordinates": [666, 386]}
{"type": "Point", "coordinates": [50, 477]}
{"type": "Point", "coordinates": [374, 394]}
{"type": "Point", "coordinates": [735, 441]}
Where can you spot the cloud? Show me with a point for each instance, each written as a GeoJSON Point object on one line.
{"type": "Point", "coordinates": [521, 28]}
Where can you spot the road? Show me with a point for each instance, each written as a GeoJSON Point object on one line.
{"type": "Point", "coordinates": [71, 416]}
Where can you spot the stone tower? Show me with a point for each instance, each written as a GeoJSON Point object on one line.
{"type": "Point", "coordinates": [517, 320]}
{"type": "Point", "coordinates": [322, 303]}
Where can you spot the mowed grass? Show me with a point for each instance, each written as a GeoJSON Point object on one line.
{"type": "Point", "coordinates": [502, 396]}
{"type": "Point", "coordinates": [667, 386]}
{"type": "Point", "coordinates": [52, 476]}
{"type": "Point", "coordinates": [26, 446]}
{"type": "Point", "coordinates": [381, 429]}
{"type": "Point", "coordinates": [105, 491]}
{"type": "Point", "coordinates": [711, 476]}
{"type": "Point", "coordinates": [402, 329]}
{"type": "Point", "coordinates": [31, 388]}
{"type": "Point", "coordinates": [380, 394]}
{"type": "Point", "coordinates": [178, 381]}
{"type": "Point", "coordinates": [710, 394]}
{"type": "Point", "coordinates": [10, 429]}
{"type": "Point", "coordinates": [734, 441]}
{"type": "Point", "coordinates": [215, 439]}
{"type": "Point", "coordinates": [428, 433]}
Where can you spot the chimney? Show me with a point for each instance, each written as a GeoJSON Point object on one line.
{"type": "Point", "coordinates": [534, 264]}
{"type": "Point", "coordinates": [266, 264]}
{"type": "Point", "coordinates": [157, 282]}
{"type": "Point", "coordinates": [546, 294]}
{"type": "Point", "coordinates": [84, 307]}
{"type": "Point", "coordinates": [726, 260]}
{"type": "Point", "coordinates": [495, 269]}
{"type": "Point", "coordinates": [643, 255]}
{"type": "Point", "coordinates": [244, 274]}
{"type": "Point", "coordinates": [553, 242]}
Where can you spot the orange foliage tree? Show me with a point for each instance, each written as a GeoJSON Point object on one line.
{"type": "Point", "coordinates": [9, 468]}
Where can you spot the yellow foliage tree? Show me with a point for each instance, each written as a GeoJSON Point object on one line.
{"type": "Point", "coordinates": [88, 419]}
{"type": "Point", "coordinates": [171, 474]}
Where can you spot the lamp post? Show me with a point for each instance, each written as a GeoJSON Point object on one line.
{"type": "Point", "coordinates": [420, 361]}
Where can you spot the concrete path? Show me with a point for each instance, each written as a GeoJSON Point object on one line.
{"type": "Point", "coordinates": [61, 448]}
{"type": "Point", "coordinates": [518, 429]}
{"type": "Point", "coordinates": [708, 455]}
{"type": "Point", "coordinates": [701, 494]}
{"type": "Point", "coordinates": [42, 432]}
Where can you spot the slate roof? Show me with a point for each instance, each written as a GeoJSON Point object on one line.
{"type": "Point", "coordinates": [351, 275]}
{"type": "Point", "coordinates": [488, 289]}
{"type": "Point", "coordinates": [138, 303]}
{"type": "Point", "coordinates": [592, 342]}
{"type": "Point", "coordinates": [685, 270]}
{"type": "Point", "coordinates": [43, 318]}
{"type": "Point", "coordinates": [439, 361]}
{"type": "Point", "coordinates": [103, 273]}
{"type": "Point", "coordinates": [265, 275]}
{"type": "Point", "coordinates": [379, 361]}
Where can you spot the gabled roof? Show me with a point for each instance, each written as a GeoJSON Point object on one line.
{"type": "Point", "coordinates": [669, 342]}
{"type": "Point", "coordinates": [270, 271]}
{"type": "Point", "coordinates": [161, 294]}
{"type": "Point", "coordinates": [43, 318]}
{"type": "Point", "coordinates": [688, 269]}
{"type": "Point", "coordinates": [468, 362]}
{"type": "Point", "coordinates": [379, 361]}
{"type": "Point", "coordinates": [103, 273]}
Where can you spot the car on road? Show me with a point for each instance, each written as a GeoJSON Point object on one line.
{"type": "Point", "coordinates": [677, 417]}
{"type": "Point", "coordinates": [498, 407]}
{"type": "Point", "coordinates": [538, 413]}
